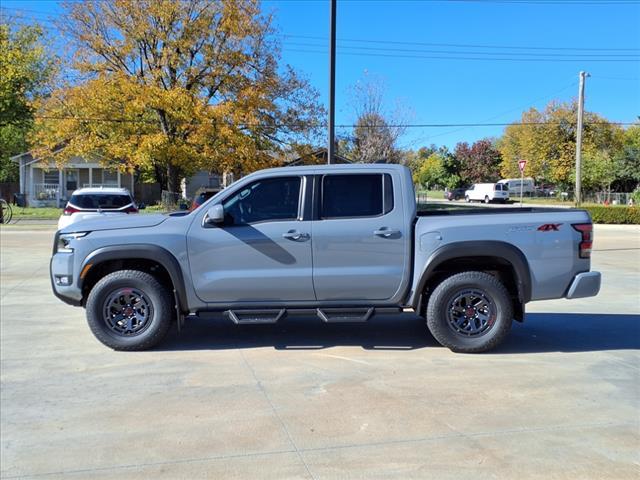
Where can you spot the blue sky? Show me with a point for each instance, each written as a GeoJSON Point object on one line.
{"type": "Point", "coordinates": [462, 90]}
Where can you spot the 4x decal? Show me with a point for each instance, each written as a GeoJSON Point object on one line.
{"type": "Point", "coordinates": [549, 227]}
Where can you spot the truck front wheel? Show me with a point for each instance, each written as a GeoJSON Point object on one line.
{"type": "Point", "coordinates": [470, 312]}
{"type": "Point", "coordinates": [129, 310]}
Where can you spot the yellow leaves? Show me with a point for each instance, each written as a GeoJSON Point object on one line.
{"type": "Point", "coordinates": [177, 86]}
{"type": "Point", "coordinates": [550, 147]}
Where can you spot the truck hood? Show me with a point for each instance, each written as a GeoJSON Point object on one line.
{"type": "Point", "coordinates": [115, 222]}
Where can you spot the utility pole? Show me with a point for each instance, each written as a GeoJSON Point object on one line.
{"type": "Point", "coordinates": [332, 81]}
{"type": "Point", "coordinates": [578, 188]}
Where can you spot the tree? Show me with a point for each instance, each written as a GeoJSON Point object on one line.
{"type": "Point", "coordinates": [431, 172]}
{"type": "Point", "coordinates": [547, 141]}
{"type": "Point", "coordinates": [376, 134]}
{"type": "Point", "coordinates": [173, 87]}
{"type": "Point", "coordinates": [627, 160]}
{"type": "Point", "coordinates": [26, 67]}
{"type": "Point", "coordinates": [479, 162]}
{"type": "Point", "coordinates": [598, 171]}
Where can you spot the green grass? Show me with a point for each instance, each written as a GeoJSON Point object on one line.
{"type": "Point", "coordinates": [542, 200]}
{"type": "Point", "coordinates": [44, 213]}
{"type": "Point", "coordinates": [50, 213]}
{"type": "Point", "coordinates": [439, 194]}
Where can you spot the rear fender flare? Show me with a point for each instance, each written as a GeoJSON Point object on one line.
{"type": "Point", "coordinates": [503, 250]}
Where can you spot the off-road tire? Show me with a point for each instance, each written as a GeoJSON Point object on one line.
{"type": "Point", "coordinates": [156, 295]}
{"type": "Point", "coordinates": [440, 302]}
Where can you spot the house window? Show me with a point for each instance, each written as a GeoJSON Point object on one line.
{"type": "Point", "coordinates": [109, 177]}
{"type": "Point", "coordinates": [51, 177]}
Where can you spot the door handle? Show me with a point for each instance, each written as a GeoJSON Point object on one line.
{"type": "Point", "coordinates": [295, 235]}
{"type": "Point", "coordinates": [386, 232]}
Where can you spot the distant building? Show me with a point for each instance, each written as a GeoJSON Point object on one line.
{"type": "Point", "coordinates": [45, 185]}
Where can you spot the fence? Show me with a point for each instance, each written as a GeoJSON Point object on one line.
{"type": "Point", "coordinates": [8, 189]}
{"type": "Point", "coordinates": [602, 198]}
{"type": "Point", "coordinates": [46, 191]}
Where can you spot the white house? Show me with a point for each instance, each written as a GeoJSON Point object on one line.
{"type": "Point", "coordinates": [44, 184]}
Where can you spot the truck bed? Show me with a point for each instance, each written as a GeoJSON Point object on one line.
{"type": "Point", "coordinates": [437, 210]}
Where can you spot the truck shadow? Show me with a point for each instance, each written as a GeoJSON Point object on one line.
{"type": "Point", "coordinates": [541, 332]}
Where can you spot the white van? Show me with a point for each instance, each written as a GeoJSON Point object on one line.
{"type": "Point", "coordinates": [487, 192]}
{"type": "Point", "coordinates": [513, 185]}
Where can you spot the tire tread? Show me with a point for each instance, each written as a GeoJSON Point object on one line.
{"type": "Point", "coordinates": [441, 331]}
{"type": "Point", "coordinates": [161, 312]}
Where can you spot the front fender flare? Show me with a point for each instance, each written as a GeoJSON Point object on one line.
{"type": "Point", "coordinates": [146, 252]}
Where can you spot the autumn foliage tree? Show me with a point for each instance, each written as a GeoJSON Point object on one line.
{"type": "Point", "coordinates": [25, 68]}
{"type": "Point", "coordinates": [479, 162]}
{"type": "Point", "coordinates": [175, 86]}
{"type": "Point", "coordinates": [547, 141]}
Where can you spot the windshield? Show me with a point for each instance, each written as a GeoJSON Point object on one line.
{"type": "Point", "coordinates": [100, 200]}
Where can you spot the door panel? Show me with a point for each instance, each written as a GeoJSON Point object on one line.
{"type": "Point", "coordinates": [252, 263]}
{"type": "Point", "coordinates": [262, 252]}
{"type": "Point", "coordinates": [359, 257]}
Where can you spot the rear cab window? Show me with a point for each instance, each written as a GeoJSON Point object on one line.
{"type": "Point", "coordinates": [356, 195]}
{"type": "Point", "coordinates": [108, 201]}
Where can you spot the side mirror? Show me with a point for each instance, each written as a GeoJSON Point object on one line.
{"type": "Point", "coordinates": [215, 214]}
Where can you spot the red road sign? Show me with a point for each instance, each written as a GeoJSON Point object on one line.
{"type": "Point", "coordinates": [522, 164]}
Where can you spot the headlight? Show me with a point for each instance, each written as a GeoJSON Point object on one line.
{"type": "Point", "coordinates": [65, 239]}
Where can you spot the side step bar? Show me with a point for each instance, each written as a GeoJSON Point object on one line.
{"type": "Point", "coordinates": [344, 315]}
{"type": "Point", "coordinates": [327, 315]}
{"type": "Point", "coordinates": [253, 317]}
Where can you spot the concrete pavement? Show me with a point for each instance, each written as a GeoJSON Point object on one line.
{"type": "Point", "coordinates": [560, 399]}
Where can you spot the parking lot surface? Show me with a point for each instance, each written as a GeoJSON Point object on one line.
{"type": "Point", "coordinates": [560, 399]}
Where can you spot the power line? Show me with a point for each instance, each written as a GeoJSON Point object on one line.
{"type": "Point", "coordinates": [526, 54]}
{"type": "Point", "coordinates": [498, 59]}
{"type": "Point", "coordinates": [317, 125]}
{"type": "Point", "coordinates": [48, 18]}
{"type": "Point", "coordinates": [460, 45]}
{"type": "Point", "coordinates": [550, 2]}
{"type": "Point", "coordinates": [630, 79]}
{"type": "Point", "coordinates": [533, 102]}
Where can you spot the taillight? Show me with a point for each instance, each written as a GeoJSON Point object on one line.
{"type": "Point", "coordinates": [131, 209]}
{"type": "Point", "coordinates": [584, 247]}
{"type": "Point", "coordinates": [69, 210]}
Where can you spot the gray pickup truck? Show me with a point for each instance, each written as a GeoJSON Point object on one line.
{"type": "Point", "coordinates": [341, 242]}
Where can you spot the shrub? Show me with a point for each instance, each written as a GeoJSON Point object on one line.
{"type": "Point", "coordinates": [614, 214]}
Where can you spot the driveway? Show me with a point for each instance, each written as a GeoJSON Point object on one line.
{"type": "Point", "coordinates": [560, 399]}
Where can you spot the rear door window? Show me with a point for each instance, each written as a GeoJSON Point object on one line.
{"type": "Point", "coordinates": [353, 196]}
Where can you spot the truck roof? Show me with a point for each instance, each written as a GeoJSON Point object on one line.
{"type": "Point", "coordinates": [334, 168]}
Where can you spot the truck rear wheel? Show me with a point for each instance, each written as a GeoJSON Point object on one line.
{"type": "Point", "coordinates": [129, 310]}
{"type": "Point", "coordinates": [470, 312]}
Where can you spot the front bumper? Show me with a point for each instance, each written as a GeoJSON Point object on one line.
{"type": "Point", "coordinates": [585, 284]}
{"type": "Point", "coordinates": [61, 265]}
